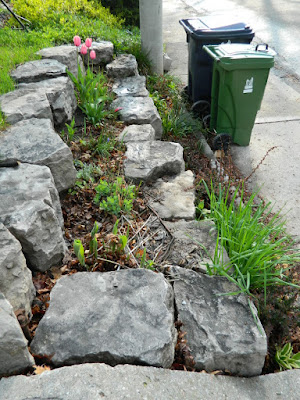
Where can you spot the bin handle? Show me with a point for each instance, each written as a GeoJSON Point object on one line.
{"type": "Point", "coordinates": [262, 44]}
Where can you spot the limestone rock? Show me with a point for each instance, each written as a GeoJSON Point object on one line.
{"type": "Point", "coordinates": [148, 161]}
{"type": "Point", "coordinates": [30, 210]}
{"type": "Point", "coordinates": [14, 355]}
{"type": "Point", "coordinates": [133, 86]}
{"type": "Point", "coordinates": [25, 104]}
{"type": "Point", "coordinates": [174, 198]}
{"type": "Point", "coordinates": [35, 141]}
{"type": "Point", "coordinates": [194, 245]}
{"type": "Point", "coordinates": [139, 110]}
{"type": "Point", "coordinates": [15, 278]}
{"type": "Point", "coordinates": [221, 331]}
{"type": "Point", "coordinates": [123, 66]}
{"type": "Point", "coordinates": [61, 96]}
{"type": "Point", "coordinates": [38, 70]}
{"type": "Point", "coordinates": [167, 62]}
{"type": "Point", "coordinates": [123, 317]}
{"type": "Point", "coordinates": [104, 54]}
{"type": "Point", "coordinates": [137, 133]}
{"type": "Point", "coordinates": [96, 381]}
{"type": "Point", "coordinates": [65, 54]}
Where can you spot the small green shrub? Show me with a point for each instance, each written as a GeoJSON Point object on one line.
{"type": "Point", "coordinates": [116, 197]}
{"type": "Point", "coordinates": [286, 359]}
{"type": "Point", "coordinates": [86, 174]}
{"type": "Point", "coordinates": [45, 12]}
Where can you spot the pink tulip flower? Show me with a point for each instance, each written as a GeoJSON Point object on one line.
{"type": "Point", "coordinates": [77, 41]}
{"type": "Point", "coordinates": [92, 55]}
{"type": "Point", "coordinates": [88, 42]}
{"type": "Point", "coordinates": [83, 49]}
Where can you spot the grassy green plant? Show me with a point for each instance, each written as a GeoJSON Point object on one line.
{"type": "Point", "coordinates": [166, 94]}
{"type": "Point", "coordinates": [103, 146]}
{"type": "Point", "coordinates": [146, 263]}
{"type": "Point", "coordinates": [285, 357]}
{"type": "Point", "coordinates": [254, 238]}
{"type": "Point", "coordinates": [116, 197]}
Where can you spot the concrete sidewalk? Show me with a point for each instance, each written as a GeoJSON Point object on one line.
{"type": "Point", "coordinates": [277, 124]}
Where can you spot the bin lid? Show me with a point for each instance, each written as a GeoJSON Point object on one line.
{"type": "Point", "coordinates": [216, 27]}
{"type": "Point", "coordinates": [241, 56]}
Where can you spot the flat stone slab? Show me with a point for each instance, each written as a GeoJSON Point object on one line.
{"type": "Point", "coordinates": [15, 278]}
{"type": "Point", "coordinates": [25, 104]}
{"type": "Point", "coordinates": [221, 331]}
{"type": "Point", "coordinates": [38, 70]}
{"type": "Point", "coordinates": [194, 244]}
{"type": "Point", "coordinates": [137, 133]}
{"type": "Point", "coordinates": [174, 198]}
{"type": "Point", "coordinates": [61, 96]}
{"type": "Point", "coordinates": [14, 354]}
{"type": "Point", "coordinates": [149, 161]}
{"type": "Point", "coordinates": [123, 317]}
{"type": "Point", "coordinates": [139, 110]}
{"type": "Point", "coordinates": [96, 381]}
{"type": "Point", "coordinates": [65, 54]}
{"type": "Point", "coordinates": [35, 141]}
{"type": "Point", "coordinates": [123, 66]}
{"type": "Point", "coordinates": [133, 86]}
{"type": "Point", "coordinates": [30, 210]}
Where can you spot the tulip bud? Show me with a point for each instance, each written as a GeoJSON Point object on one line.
{"type": "Point", "coordinates": [92, 55]}
{"type": "Point", "coordinates": [77, 41]}
{"type": "Point", "coordinates": [88, 42]}
{"type": "Point", "coordinates": [83, 49]}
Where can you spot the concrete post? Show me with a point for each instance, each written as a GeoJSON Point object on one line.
{"type": "Point", "coordinates": [151, 32]}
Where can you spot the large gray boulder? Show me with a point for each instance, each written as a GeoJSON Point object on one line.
{"type": "Point", "coordinates": [104, 54]}
{"type": "Point", "coordinates": [174, 198]}
{"type": "Point", "coordinates": [35, 141]}
{"type": "Point", "coordinates": [65, 54]}
{"type": "Point", "coordinates": [123, 66]}
{"type": "Point", "coordinates": [15, 278]}
{"type": "Point", "coordinates": [148, 161]}
{"type": "Point", "coordinates": [137, 133]}
{"type": "Point", "coordinates": [221, 331]}
{"type": "Point", "coordinates": [97, 381]}
{"type": "Point", "coordinates": [30, 210]}
{"type": "Point", "coordinates": [38, 70]}
{"type": "Point", "coordinates": [139, 110]}
{"type": "Point", "coordinates": [133, 86]}
{"type": "Point", "coordinates": [14, 355]}
{"type": "Point", "coordinates": [194, 245]}
{"type": "Point", "coordinates": [61, 96]}
{"type": "Point", "coordinates": [25, 104]}
{"type": "Point", "coordinates": [124, 317]}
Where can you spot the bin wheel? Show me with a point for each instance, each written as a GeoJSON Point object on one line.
{"type": "Point", "coordinates": [201, 108]}
{"type": "Point", "coordinates": [222, 142]}
{"type": "Point", "coordinates": [206, 121]}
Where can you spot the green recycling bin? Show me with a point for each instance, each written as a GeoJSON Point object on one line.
{"type": "Point", "coordinates": [240, 74]}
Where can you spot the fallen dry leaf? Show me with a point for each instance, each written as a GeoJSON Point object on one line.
{"type": "Point", "coordinates": [39, 369]}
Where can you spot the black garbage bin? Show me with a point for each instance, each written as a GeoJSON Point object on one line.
{"type": "Point", "coordinates": [200, 32]}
